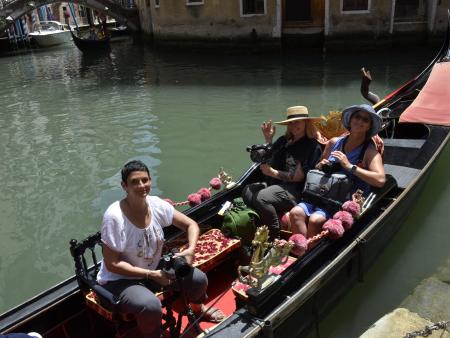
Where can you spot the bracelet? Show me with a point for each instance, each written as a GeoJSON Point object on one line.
{"type": "Point", "coordinates": [353, 169]}
{"type": "Point", "coordinates": [147, 274]}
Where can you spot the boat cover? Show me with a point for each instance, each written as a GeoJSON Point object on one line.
{"type": "Point", "coordinates": [432, 105]}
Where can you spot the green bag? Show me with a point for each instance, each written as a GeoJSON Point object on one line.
{"type": "Point", "coordinates": [240, 221]}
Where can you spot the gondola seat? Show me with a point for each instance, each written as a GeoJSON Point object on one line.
{"type": "Point", "coordinates": [103, 302]}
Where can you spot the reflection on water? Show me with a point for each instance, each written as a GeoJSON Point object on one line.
{"type": "Point", "coordinates": [69, 122]}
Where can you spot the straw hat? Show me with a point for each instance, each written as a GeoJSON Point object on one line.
{"type": "Point", "coordinates": [297, 113]}
{"type": "Point", "coordinates": [348, 112]}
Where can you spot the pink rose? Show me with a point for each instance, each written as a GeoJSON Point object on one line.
{"type": "Point", "coordinates": [345, 217]}
{"type": "Point", "coordinates": [215, 183]}
{"type": "Point", "coordinates": [194, 199]}
{"type": "Point", "coordinates": [334, 227]}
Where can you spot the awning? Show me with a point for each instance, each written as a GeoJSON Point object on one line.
{"type": "Point", "coordinates": [432, 105]}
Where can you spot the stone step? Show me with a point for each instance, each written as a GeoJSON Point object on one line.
{"type": "Point", "coordinates": [430, 300]}
{"type": "Point", "coordinates": [398, 323]}
{"type": "Point", "coordinates": [428, 304]}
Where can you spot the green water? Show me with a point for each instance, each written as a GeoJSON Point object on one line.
{"type": "Point", "coordinates": [68, 124]}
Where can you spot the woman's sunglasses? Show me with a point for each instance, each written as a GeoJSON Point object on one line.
{"type": "Point", "coordinates": [365, 119]}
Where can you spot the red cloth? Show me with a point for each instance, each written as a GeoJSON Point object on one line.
{"type": "Point", "coordinates": [432, 105]}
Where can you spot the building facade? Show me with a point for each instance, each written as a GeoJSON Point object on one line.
{"type": "Point", "coordinates": [300, 22]}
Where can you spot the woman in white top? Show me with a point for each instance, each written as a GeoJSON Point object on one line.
{"type": "Point", "coordinates": [133, 237]}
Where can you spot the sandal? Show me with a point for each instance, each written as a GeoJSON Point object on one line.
{"type": "Point", "coordinates": [212, 315]}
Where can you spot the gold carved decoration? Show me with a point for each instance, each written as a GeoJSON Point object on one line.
{"type": "Point", "coordinates": [265, 255]}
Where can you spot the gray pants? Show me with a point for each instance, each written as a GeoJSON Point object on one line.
{"type": "Point", "coordinates": [269, 202]}
{"type": "Point", "coordinates": [136, 297]}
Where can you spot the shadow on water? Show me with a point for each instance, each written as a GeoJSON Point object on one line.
{"type": "Point", "coordinates": [90, 62]}
{"type": "Point", "coordinates": [291, 68]}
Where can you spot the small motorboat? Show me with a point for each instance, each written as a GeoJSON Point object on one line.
{"type": "Point", "coordinates": [119, 31]}
{"type": "Point", "coordinates": [50, 33]}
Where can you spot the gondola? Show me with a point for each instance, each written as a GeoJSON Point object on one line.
{"type": "Point", "coordinates": [416, 129]}
{"type": "Point", "coordinates": [91, 46]}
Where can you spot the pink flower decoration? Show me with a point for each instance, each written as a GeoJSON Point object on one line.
{"type": "Point", "coordinates": [346, 219]}
{"type": "Point", "coordinates": [204, 193]}
{"type": "Point", "coordinates": [194, 199]}
{"type": "Point", "coordinates": [352, 207]}
{"type": "Point", "coordinates": [168, 200]}
{"type": "Point", "coordinates": [300, 244]}
{"type": "Point", "coordinates": [335, 228]}
{"type": "Point", "coordinates": [276, 270]}
{"type": "Point", "coordinates": [285, 220]}
{"type": "Point", "coordinates": [241, 287]}
{"type": "Point", "coordinates": [215, 183]}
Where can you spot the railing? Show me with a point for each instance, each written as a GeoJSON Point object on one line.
{"type": "Point", "coordinates": [122, 3]}
{"type": "Point", "coordinates": [123, 10]}
{"type": "Point", "coordinates": [6, 3]}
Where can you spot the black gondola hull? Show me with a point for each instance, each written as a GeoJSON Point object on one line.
{"type": "Point", "coordinates": [92, 46]}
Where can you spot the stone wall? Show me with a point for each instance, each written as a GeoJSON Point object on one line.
{"type": "Point", "coordinates": [145, 18]}
{"type": "Point", "coordinates": [212, 20]}
{"type": "Point", "coordinates": [174, 21]}
{"type": "Point", "coordinates": [440, 21]}
{"type": "Point", "coordinates": [373, 23]}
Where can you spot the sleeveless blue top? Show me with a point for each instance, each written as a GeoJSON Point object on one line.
{"type": "Point", "coordinates": [353, 157]}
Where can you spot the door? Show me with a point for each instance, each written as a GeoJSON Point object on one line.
{"type": "Point", "coordinates": [301, 13]}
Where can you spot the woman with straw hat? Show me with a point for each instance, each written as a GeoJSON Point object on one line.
{"type": "Point", "coordinates": [354, 155]}
{"type": "Point", "coordinates": [293, 155]}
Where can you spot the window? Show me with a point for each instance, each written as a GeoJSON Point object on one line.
{"type": "Point", "coordinates": [358, 6]}
{"type": "Point", "coordinates": [253, 7]}
{"type": "Point", "coordinates": [194, 2]}
{"type": "Point", "coordinates": [411, 9]}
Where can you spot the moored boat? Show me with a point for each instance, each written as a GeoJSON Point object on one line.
{"type": "Point", "coordinates": [50, 33]}
{"type": "Point", "coordinates": [416, 129]}
{"type": "Point", "coordinates": [119, 32]}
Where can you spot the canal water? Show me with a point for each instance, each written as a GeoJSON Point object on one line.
{"type": "Point", "coordinates": [69, 122]}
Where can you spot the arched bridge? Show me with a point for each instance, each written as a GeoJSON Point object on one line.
{"type": "Point", "coordinates": [14, 9]}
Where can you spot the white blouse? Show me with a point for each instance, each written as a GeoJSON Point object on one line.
{"type": "Point", "coordinates": [139, 247]}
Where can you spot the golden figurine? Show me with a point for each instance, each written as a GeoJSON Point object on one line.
{"type": "Point", "coordinates": [226, 179]}
{"type": "Point", "coordinates": [265, 255]}
{"type": "Point", "coordinates": [359, 198]}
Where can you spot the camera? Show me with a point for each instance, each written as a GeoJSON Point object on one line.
{"type": "Point", "coordinates": [175, 265]}
{"type": "Point", "coordinates": [260, 153]}
{"type": "Point", "coordinates": [331, 167]}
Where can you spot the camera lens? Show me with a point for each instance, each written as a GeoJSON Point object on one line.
{"type": "Point", "coordinates": [181, 267]}
{"type": "Point", "coordinates": [332, 167]}
{"type": "Point", "coordinates": [327, 168]}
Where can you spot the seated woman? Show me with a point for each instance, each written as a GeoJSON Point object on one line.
{"type": "Point", "coordinates": [293, 155]}
{"type": "Point", "coordinates": [363, 123]}
{"type": "Point", "coordinates": [132, 234]}
{"type": "Point", "coordinates": [92, 33]}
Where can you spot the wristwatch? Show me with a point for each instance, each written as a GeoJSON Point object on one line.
{"type": "Point", "coordinates": [353, 169]}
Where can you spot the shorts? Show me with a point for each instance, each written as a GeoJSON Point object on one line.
{"type": "Point", "coordinates": [310, 209]}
